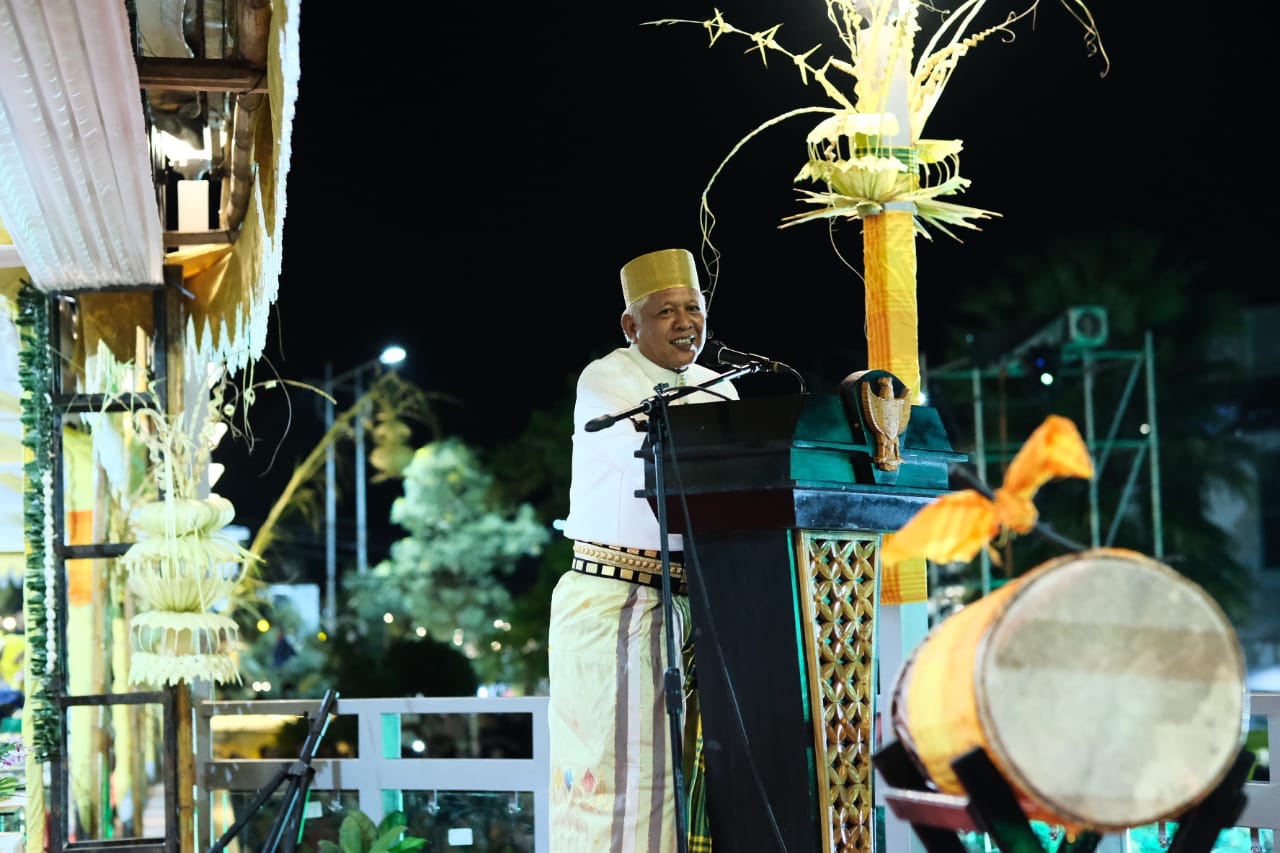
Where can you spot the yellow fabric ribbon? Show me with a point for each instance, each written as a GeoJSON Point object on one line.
{"type": "Point", "coordinates": [956, 526]}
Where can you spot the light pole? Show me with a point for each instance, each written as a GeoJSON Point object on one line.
{"type": "Point", "coordinates": [390, 356]}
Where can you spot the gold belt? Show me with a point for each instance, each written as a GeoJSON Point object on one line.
{"type": "Point", "coordinates": [633, 565]}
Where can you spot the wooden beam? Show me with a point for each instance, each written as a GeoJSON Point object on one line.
{"type": "Point", "coordinates": [174, 239]}
{"type": "Point", "coordinates": [184, 827]}
{"type": "Point", "coordinates": [200, 75]}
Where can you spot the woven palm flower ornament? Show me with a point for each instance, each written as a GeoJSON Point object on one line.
{"type": "Point", "coordinates": [181, 567]}
{"type": "Point", "coordinates": [865, 153]}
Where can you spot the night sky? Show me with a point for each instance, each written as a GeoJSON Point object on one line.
{"type": "Point", "coordinates": [468, 178]}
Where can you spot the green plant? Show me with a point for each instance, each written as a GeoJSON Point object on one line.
{"type": "Point", "coordinates": [357, 834]}
{"type": "Point", "coordinates": [13, 759]}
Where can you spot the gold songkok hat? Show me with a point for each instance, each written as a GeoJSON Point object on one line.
{"type": "Point", "coordinates": [657, 271]}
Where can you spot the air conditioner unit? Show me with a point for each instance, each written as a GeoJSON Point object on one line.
{"type": "Point", "coordinates": [1086, 326]}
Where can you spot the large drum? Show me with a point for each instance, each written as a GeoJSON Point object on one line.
{"type": "Point", "coordinates": [1107, 689]}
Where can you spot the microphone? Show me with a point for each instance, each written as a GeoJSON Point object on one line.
{"type": "Point", "coordinates": [598, 423]}
{"type": "Point", "coordinates": [729, 357]}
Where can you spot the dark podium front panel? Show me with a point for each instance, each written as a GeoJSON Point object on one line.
{"type": "Point", "coordinates": [786, 510]}
{"type": "Point", "coordinates": [793, 462]}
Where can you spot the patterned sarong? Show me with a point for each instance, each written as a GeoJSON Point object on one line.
{"type": "Point", "coordinates": [611, 781]}
{"type": "Point", "coordinates": [699, 822]}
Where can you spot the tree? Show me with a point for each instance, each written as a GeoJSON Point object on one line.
{"type": "Point", "coordinates": [450, 577]}
{"type": "Point", "coordinates": [301, 671]}
{"type": "Point", "coordinates": [392, 400]}
{"type": "Point", "coordinates": [535, 467]}
{"type": "Point", "coordinates": [1144, 287]}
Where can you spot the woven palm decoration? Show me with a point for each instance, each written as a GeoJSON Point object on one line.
{"type": "Point", "coordinates": [182, 566]}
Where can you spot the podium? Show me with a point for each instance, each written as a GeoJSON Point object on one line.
{"type": "Point", "coordinates": [786, 509]}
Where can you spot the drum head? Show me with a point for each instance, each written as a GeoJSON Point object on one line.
{"type": "Point", "coordinates": [1112, 690]}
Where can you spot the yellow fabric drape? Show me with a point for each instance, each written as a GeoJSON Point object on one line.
{"type": "Point", "coordinates": [904, 582]}
{"type": "Point", "coordinates": [129, 725]}
{"type": "Point", "coordinates": [889, 261]}
{"type": "Point", "coordinates": [13, 561]}
{"type": "Point", "coordinates": [207, 274]}
{"type": "Point", "coordinates": [34, 813]}
{"type": "Point", "coordinates": [83, 648]}
{"type": "Point", "coordinates": [11, 282]}
{"type": "Point", "coordinates": [78, 447]}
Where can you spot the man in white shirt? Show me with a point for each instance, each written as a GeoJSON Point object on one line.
{"type": "Point", "coordinates": [611, 785]}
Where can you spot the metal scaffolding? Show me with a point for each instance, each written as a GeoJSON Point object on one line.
{"type": "Point", "coordinates": [1083, 359]}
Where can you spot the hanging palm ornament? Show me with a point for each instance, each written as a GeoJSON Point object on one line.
{"type": "Point", "coordinates": [868, 157]}
{"type": "Point", "coordinates": [183, 564]}
{"type": "Point", "coordinates": [391, 452]}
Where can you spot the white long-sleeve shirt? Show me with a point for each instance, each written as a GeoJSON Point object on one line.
{"type": "Point", "coordinates": [607, 473]}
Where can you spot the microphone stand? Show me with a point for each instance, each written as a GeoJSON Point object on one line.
{"type": "Point", "coordinates": [673, 689]}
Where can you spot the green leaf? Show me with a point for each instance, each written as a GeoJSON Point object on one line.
{"type": "Point", "coordinates": [388, 841]}
{"type": "Point", "coordinates": [357, 832]}
{"type": "Point", "coordinates": [392, 819]}
{"type": "Point", "coordinates": [327, 846]}
{"type": "Point", "coordinates": [409, 844]}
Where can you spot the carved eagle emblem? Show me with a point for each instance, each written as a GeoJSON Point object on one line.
{"type": "Point", "coordinates": [887, 416]}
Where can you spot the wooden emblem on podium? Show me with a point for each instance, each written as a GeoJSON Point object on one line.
{"type": "Point", "coordinates": [883, 404]}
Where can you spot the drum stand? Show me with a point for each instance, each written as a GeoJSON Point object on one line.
{"type": "Point", "coordinates": [992, 807]}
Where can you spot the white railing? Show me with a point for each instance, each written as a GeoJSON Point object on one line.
{"type": "Point", "coordinates": [373, 772]}
{"type": "Point", "coordinates": [378, 767]}
{"type": "Point", "coordinates": [1262, 809]}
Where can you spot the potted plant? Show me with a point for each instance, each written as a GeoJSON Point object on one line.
{"type": "Point", "coordinates": [358, 834]}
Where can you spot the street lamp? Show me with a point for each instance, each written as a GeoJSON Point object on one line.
{"type": "Point", "coordinates": [389, 357]}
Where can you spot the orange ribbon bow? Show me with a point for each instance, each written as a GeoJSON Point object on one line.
{"type": "Point", "coordinates": [957, 525]}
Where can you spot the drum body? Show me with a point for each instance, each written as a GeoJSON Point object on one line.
{"type": "Point", "coordinates": [1108, 690]}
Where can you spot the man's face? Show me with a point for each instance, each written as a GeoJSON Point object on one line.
{"type": "Point", "coordinates": [670, 330]}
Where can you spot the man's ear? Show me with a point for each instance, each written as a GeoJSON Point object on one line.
{"type": "Point", "coordinates": [628, 326]}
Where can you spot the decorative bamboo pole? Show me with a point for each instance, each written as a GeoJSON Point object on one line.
{"type": "Point", "coordinates": [185, 771]}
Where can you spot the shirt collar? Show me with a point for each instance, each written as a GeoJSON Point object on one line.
{"type": "Point", "coordinates": [655, 373]}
